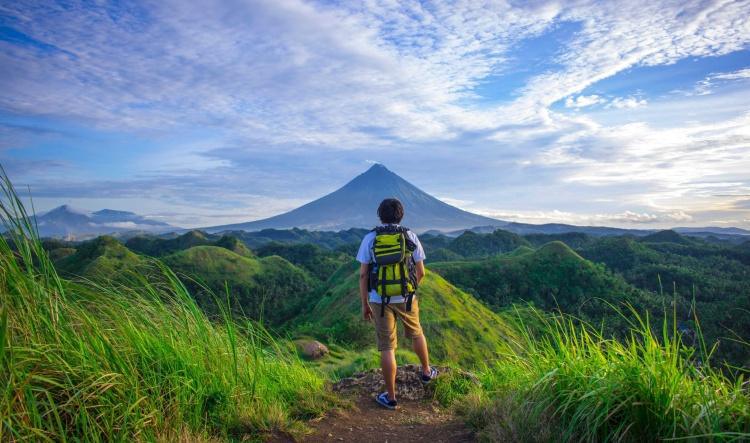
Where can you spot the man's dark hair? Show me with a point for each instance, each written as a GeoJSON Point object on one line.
{"type": "Point", "coordinates": [391, 211]}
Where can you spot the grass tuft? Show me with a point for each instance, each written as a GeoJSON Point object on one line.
{"type": "Point", "coordinates": [132, 360]}
{"type": "Point", "coordinates": [569, 377]}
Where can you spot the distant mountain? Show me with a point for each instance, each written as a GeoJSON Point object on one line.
{"type": "Point", "coordinates": [666, 236]}
{"type": "Point", "coordinates": [68, 222]}
{"type": "Point", "coordinates": [713, 230]}
{"type": "Point", "coordinates": [355, 205]}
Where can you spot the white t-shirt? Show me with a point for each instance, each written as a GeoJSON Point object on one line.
{"type": "Point", "coordinates": [366, 256]}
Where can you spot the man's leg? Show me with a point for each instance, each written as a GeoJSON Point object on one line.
{"type": "Point", "coordinates": [386, 332]}
{"type": "Point", "coordinates": [419, 344]}
{"type": "Point", "coordinates": [388, 365]}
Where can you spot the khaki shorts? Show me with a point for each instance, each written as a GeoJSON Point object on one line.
{"type": "Point", "coordinates": [386, 325]}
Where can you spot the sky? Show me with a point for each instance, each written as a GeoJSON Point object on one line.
{"type": "Point", "coordinates": [629, 114]}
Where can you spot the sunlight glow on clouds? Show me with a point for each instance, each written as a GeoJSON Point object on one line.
{"type": "Point", "coordinates": [225, 107]}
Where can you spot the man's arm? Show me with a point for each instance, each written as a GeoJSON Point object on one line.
{"type": "Point", "coordinates": [364, 271]}
{"type": "Point", "coordinates": [420, 271]}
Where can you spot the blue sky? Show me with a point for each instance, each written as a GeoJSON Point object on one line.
{"type": "Point", "coordinates": [219, 112]}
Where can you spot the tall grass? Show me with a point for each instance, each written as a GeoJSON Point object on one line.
{"type": "Point", "coordinates": [139, 361]}
{"type": "Point", "coordinates": [569, 382]}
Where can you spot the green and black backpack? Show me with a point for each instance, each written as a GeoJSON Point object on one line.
{"type": "Point", "coordinates": [394, 271]}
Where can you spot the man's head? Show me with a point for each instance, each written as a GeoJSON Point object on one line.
{"type": "Point", "coordinates": [391, 211]}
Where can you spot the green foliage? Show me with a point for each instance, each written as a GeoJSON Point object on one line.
{"type": "Point", "coordinates": [269, 289]}
{"type": "Point", "coordinates": [325, 239]}
{"type": "Point", "coordinates": [552, 277]}
{"type": "Point", "coordinates": [235, 245]}
{"type": "Point", "coordinates": [568, 382]}
{"type": "Point", "coordinates": [444, 254]}
{"type": "Point", "coordinates": [319, 262]}
{"type": "Point", "coordinates": [93, 362]}
{"type": "Point", "coordinates": [459, 328]}
{"type": "Point", "coordinates": [716, 276]}
{"type": "Point", "coordinates": [573, 239]}
{"type": "Point", "coordinates": [473, 245]}
{"type": "Point", "coordinates": [159, 247]}
{"type": "Point", "coordinates": [101, 258]}
{"type": "Point", "coordinates": [666, 236]}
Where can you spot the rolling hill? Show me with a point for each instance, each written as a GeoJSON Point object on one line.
{"type": "Point", "coordinates": [269, 289]}
{"type": "Point", "coordinates": [551, 276]}
{"type": "Point", "coordinates": [103, 257]}
{"type": "Point", "coordinates": [459, 328]}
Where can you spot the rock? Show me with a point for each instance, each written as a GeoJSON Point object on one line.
{"type": "Point", "coordinates": [311, 349]}
{"type": "Point", "coordinates": [408, 382]}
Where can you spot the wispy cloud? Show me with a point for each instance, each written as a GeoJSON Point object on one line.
{"type": "Point", "coordinates": [623, 218]}
{"type": "Point", "coordinates": [285, 85]}
{"type": "Point", "coordinates": [708, 84]}
{"type": "Point", "coordinates": [627, 102]}
{"type": "Point", "coordinates": [582, 101]}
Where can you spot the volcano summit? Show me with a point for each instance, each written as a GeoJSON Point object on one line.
{"type": "Point", "coordinates": [354, 206]}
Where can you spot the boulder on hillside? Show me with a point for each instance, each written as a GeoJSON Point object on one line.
{"type": "Point", "coordinates": [311, 349]}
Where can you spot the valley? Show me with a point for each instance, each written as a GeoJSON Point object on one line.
{"type": "Point", "coordinates": [528, 328]}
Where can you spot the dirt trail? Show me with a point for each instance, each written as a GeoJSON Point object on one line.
{"type": "Point", "coordinates": [418, 417]}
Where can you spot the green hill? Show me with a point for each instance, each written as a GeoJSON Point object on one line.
{"type": "Point", "coordinates": [572, 239]}
{"type": "Point", "coordinates": [235, 245]}
{"type": "Point", "coordinates": [324, 239]}
{"type": "Point", "coordinates": [666, 236]}
{"type": "Point", "coordinates": [473, 245]}
{"type": "Point", "coordinates": [552, 276]}
{"type": "Point", "coordinates": [158, 247]}
{"type": "Point", "coordinates": [319, 262]}
{"type": "Point", "coordinates": [716, 277]}
{"type": "Point", "coordinates": [270, 289]}
{"type": "Point", "coordinates": [102, 257]}
{"type": "Point", "coordinates": [458, 327]}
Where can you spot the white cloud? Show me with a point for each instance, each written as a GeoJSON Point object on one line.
{"type": "Point", "coordinates": [121, 225]}
{"type": "Point", "coordinates": [736, 75]}
{"type": "Point", "coordinates": [583, 100]}
{"type": "Point", "coordinates": [295, 77]}
{"type": "Point", "coordinates": [624, 218]}
{"type": "Point", "coordinates": [403, 68]}
{"type": "Point", "coordinates": [707, 85]}
{"type": "Point", "coordinates": [627, 102]}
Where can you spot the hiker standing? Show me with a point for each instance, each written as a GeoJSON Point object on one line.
{"type": "Point", "coordinates": [392, 265]}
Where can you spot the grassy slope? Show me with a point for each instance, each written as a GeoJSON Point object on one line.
{"type": "Point", "coordinates": [141, 362]}
{"type": "Point", "coordinates": [715, 276]}
{"type": "Point", "coordinates": [552, 276]}
{"type": "Point", "coordinates": [568, 382]}
{"type": "Point", "coordinates": [458, 327]}
{"type": "Point", "coordinates": [319, 262]}
{"type": "Point", "coordinates": [103, 257]}
{"type": "Point", "coordinates": [268, 288]}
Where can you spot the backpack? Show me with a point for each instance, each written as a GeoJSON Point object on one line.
{"type": "Point", "coordinates": [394, 271]}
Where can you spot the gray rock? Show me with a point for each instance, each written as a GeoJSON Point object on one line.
{"type": "Point", "coordinates": [311, 349]}
{"type": "Point", "coordinates": [408, 382]}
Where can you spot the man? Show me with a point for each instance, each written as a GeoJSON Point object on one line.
{"type": "Point", "coordinates": [402, 306]}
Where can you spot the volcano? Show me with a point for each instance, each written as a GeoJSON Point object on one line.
{"type": "Point", "coordinates": [355, 206]}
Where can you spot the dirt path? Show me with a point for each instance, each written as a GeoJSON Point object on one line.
{"type": "Point", "coordinates": [414, 421]}
{"type": "Point", "coordinates": [418, 417]}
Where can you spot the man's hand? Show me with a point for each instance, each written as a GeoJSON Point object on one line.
{"type": "Point", "coordinates": [366, 312]}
